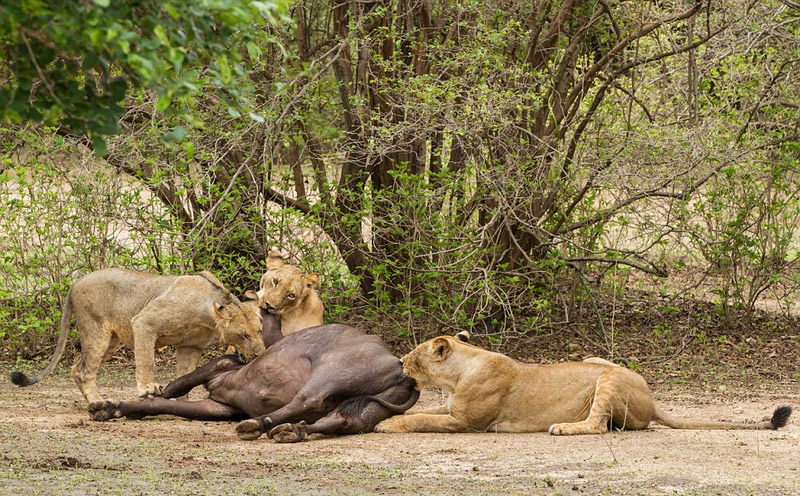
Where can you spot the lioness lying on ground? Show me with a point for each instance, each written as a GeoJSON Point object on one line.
{"type": "Point", "coordinates": [145, 312]}
{"type": "Point", "coordinates": [287, 292]}
{"type": "Point", "coordinates": [492, 392]}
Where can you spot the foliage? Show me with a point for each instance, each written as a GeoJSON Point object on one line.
{"type": "Point", "coordinates": [73, 63]}
{"type": "Point", "coordinates": [446, 164]}
{"type": "Point", "coordinates": [748, 223]}
{"type": "Point", "coordinates": [60, 220]}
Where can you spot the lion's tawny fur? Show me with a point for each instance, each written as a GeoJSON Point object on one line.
{"type": "Point", "coordinates": [492, 392]}
{"type": "Point", "coordinates": [287, 292]}
{"type": "Point", "coordinates": [145, 312]}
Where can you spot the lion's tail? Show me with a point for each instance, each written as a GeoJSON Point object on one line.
{"type": "Point", "coordinates": [779, 418]}
{"type": "Point", "coordinates": [23, 380]}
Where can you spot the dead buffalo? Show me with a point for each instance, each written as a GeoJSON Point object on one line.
{"type": "Point", "coordinates": [329, 379]}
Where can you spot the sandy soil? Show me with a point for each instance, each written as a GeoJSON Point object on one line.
{"type": "Point", "coordinates": [49, 446]}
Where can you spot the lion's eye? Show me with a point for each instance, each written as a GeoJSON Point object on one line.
{"type": "Point", "coordinates": [274, 282]}
{"type": "Point", "coordinates": [290, 296]}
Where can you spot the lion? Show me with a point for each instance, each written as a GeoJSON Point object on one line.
{"type": "Point", "coordinates": [145, 312]}
{"type": "Point", "coordinates": [287, 292]}
{"type": "Point", "coordinates": [492, 392]}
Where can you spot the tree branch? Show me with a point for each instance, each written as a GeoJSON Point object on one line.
{"type": "Point", "coordinates": [650, 268]}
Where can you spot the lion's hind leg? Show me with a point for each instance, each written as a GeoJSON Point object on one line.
{"type": "Point", "coordinates": [98, 343]}
{"type": "Point", "coordinates": [621, 399]}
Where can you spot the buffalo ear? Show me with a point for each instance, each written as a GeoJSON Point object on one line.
{"type": "Point", "coordinates": [274, 260]}
{"type": "Point", "coordinates": [250, 295]}
{"type": "Point", "coordinates": [441, 348]}
{"type": "Point", "coordinates": [312, 280]}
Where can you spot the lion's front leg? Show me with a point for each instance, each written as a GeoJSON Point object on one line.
{"type": "Point", "coordinates": [144, 348]}
{"type": "Point", "coordinates": [425, 422]}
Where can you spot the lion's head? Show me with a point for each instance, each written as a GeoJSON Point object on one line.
{"type": "Point", "coordinates": [239, 325]}
{"type": "Point", "coordinates": [284, 287]}
{"type": "Point", "coordinates": [436, 361]}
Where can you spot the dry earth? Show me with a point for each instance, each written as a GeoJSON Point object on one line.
{"type": "Point", "coordinates": [49, 446]}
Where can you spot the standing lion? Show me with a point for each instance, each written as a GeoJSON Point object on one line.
{"type": "Point", "coordinates": [145, 312]}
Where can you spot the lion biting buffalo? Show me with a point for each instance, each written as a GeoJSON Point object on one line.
{"type": "Point", "coordinates": [286, 291]}
{"type": "Point", "coordinates": [492, 392]}
{"type": "Point", "coordinates": [329, 379]}
{"type": "Point", "coordinates": [145, 312]}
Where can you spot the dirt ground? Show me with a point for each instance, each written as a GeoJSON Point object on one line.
{"type": "Point", "coordinates": [49, 446]}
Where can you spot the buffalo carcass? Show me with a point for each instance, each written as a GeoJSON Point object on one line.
{"type": "Point", "coordinates": [329, 379]}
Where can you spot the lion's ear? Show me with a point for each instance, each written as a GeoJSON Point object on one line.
{"type": "Point", "coordinates": [274, 260]}
{"type": "Point", "coordinates": [218, 311]}
{"type": "Point", "coordinates": [250, 295]}
{"type": "Point", "coordinates": [464, 336]}
{"type": "Point", "coordinates": [312, 280]}
{"type": "Point", "coordinates": [441, 348]}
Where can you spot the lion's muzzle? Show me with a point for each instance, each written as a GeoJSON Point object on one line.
{"type": "Point", "coordinates": [267, 307]}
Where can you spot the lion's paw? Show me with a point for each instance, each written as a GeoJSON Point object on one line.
{"type": "Point", "coordinates": [152, 389]}
{"type": "Point", "coordinates": [100, 411]}
{"type": "Point", "coordinates": [288, 433]}
{"type": "Point", "coordinates": [392, 424]}
{"type": "Point", "coordinates": [556, 429]}
{"type": "Point", "coordinates": [249, 430]}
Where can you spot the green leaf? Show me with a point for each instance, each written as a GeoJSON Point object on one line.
{"type": "Point", "coordinates": [90, 60]}
{"type": "Point", "coordinates": [253, 51]}
{"type": "Point", "coordinates": [163, 102]}
{"type": "Point", "coordinates": [256, 117]}
{"type": "Point", "coordinates": [174, 136]}
{"type": "Point", "coordinates": [224, 68]}
{"type": "Point", "coordinates": [188, 146]}
{"type": "Point", "coordinates": [99, 144]}
{"type": "Point", "coordinates": [158, 30]}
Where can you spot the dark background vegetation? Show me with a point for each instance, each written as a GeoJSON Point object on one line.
{"type": "Point", "coordinates": [546, 171]}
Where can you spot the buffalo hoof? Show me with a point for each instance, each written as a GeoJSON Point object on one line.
{"type": "Point", "coordinates": [249, 430]}
{"type": "Point", "coordinates": [288, 433]}
{"type": "Point", "coordinates": [101, 411]}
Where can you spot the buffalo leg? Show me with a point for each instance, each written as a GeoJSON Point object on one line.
{"type": "Point", "coordinates": [206, 409]}
{"type": "Point", "coordinates": [348, 418]}
{"type": "Point", "coordinates": [185, 383]}
{"type": "Point", "coordinates": [311, 398]}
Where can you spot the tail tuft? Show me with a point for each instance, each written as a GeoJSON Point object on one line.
{"type": "Point", "coordinates": [21, 379]}
{"type": "Point", "coordinates": [780, 416]}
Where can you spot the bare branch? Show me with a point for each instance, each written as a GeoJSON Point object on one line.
{"type": "Point", "coordinates": [648, 268]}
